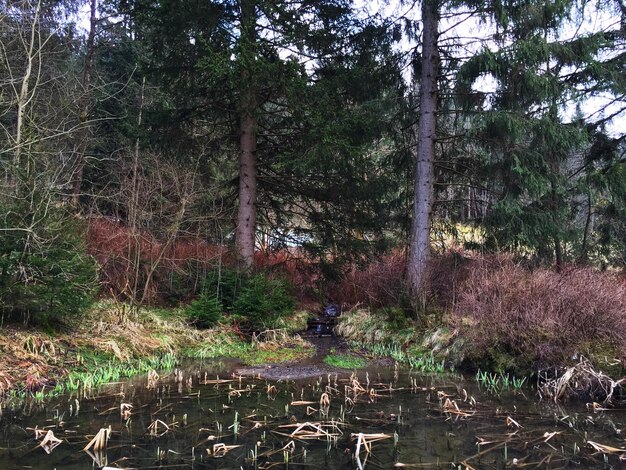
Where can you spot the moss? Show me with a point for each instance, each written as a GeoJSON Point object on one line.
{"type": "Point", "coordinates": [607, 357]}
{"type": "Point", "coordinates": [345, 361]}
{"type": "Point", "coordinates": [277, 355]}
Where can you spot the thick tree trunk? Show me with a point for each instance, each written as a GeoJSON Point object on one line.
{"type": "Point", "coordinates": [246, 216]}
{"type": "Point", "coordinates": [426, 133]}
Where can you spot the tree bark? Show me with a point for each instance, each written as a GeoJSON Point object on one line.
{"type": "Point", "coordinates": [419, 250]}
{"type": "Point", "coordinates": [246, 215]}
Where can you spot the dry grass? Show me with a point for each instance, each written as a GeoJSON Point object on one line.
{"type": "Point", "coordinates": [32, 360]}
{"type": "Point", "coordinates": [582, 380]}
{"type": "Point", "coordinates": [365, 327]}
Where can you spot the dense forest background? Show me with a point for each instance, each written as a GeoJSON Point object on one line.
{"type": "Point", "coordinates": [144, 145]}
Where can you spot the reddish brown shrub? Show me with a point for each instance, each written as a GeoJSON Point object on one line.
{"type": "Point", "coordinates": [139, 266]}
{"type": "Point", "coordinates": [293, 266]}
{"type": "Point", "coordinates": [446, 275]}
{"type": "Point", "coordinates": [541, 315]}
{"type": "Point", "coordinates": [380, 283]}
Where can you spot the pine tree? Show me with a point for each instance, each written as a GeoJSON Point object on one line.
{"type": "Point", "coordinates": [536, 154]}
{"type": "Point", "coordinates": [284, 85]}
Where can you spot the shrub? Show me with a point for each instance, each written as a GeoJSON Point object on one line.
{"type": "Point", "coordinates": [379, 283]}
{"type": "Point", "coordinates": [205, 311]}
{"type": "Point", "coordinates": [46, 273]}
{"type": "Point", "coordinates": [226, 285]}
{"type": "Point", "coordinates": [125, 256]}
{"type": "Point", "coordinates": [263, 301]}
{"type": "Point", "coordinates": [540, 317]}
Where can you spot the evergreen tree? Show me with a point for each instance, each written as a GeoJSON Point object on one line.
{"type": "Point", "coordinates": [535, 154]}
{"type": "Point", "coordinates": [297, 89]}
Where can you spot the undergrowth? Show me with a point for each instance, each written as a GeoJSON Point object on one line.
{"type": "Point", "coordinates": [375, 333]}
{"type": "Point", "coordinates": [111, 343]}
{"type": "Point", "coordinates": [516, 318]}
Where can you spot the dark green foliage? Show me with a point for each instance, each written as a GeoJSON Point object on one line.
{"type": "Point", "coordinates": [44, 274]}
{"type": "Point", "coordinates": [205, 311]}
{"type": "Point", "coordinates": [263, 301]}
{"type": "Point", "coordinates": [324, 175]}
{"type": "Point", "coordinates": [255, 300]}
{"type": "Point", "coordinates": [226, 285]}
{"type": "Point", "coordinates": [542, 166]}
{"type": "Point", "coordinates": [396, 317]}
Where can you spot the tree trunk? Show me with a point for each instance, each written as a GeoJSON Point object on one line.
{"type": "Point", "coordinates": [584, 249]}
{"type": "Point", "coordinates": [426, 133]}
{"type": "Point", "coordinates": [84, 105]}
{"type": "Point", "coordinates": [246, 216]}
{"type": "Point", "coordinates": [25, 95]}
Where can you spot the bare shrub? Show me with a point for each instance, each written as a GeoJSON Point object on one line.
{"type": "Point", "coordinates": [542, 315]}
{"type": "Point", "coordinates": [125, 259]}
{"type": "Point", "coordinates": [293, 266]}
{"type": "Point", "coordinates": [446, 274]}
{"type": "Point", "coordinates": [381, 282]}
{"type": "Point", "coordinates": [377, 284]}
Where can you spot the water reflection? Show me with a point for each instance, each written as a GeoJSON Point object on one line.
{"type": "Point", "coordinates": [203, 417]}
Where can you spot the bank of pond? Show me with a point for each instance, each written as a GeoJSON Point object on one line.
{"type": "Point", "coordinates": [220, 414]}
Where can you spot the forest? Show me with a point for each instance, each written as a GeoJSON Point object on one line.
{"type": "Point", "coordinates": [178, 176]}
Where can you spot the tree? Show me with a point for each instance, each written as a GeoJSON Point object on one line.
{"type": "Point", "coordinates": [536, 155]}
{"type": "Point", "coordinates": [84, 102]}
{"type": "Point", "coordinates": [245, 235]}
{"type": "Point", "coordinates": [419, 249]}
{"type": "Point", "coordinates": [254, 77]}
{"type": "Point", "coordinates": [44, 270]}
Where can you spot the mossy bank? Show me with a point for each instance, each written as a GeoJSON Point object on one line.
{"type": "Point", "coordinates": [111, 342]}
{"type": "Point", "coordinates": [448, 343]}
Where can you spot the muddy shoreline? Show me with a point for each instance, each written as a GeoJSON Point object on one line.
{"type": "Point", "coordinates": [312, 366]}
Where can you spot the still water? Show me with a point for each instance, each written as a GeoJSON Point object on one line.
{"type": "Point", "coordinates": [385, 417]}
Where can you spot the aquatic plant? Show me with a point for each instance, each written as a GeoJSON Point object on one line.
{"type": "Point", "coordinates": [583, 379]}
{"type": "Point", "coordinates": [500, 381]}
{"type": "Point", "coordinates": [421, 362]}
{"type": "Point", "coordinates": [426, 363]}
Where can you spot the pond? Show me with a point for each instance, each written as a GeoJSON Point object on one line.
{"type": "Point", "coordinates": [203, 416]}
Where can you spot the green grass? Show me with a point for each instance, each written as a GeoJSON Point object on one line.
{"type": "Point", "coordinates": [421, 362]}
{"type": "Point", "coordinates": [101, 370]}
{"type": "Point", "coordinates": [271, 356]}
{"type": "Point", "coordinates": [345, 361]}
{"type": "Point", "coordinates": [229, 345]}
{"type": "Point", "coordinates": [383, 333]}
{"type": "Point", "coordinates": [223, 344]}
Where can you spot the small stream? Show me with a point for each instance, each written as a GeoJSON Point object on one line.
{"type": "Point", "coordinates": [380, 417]}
